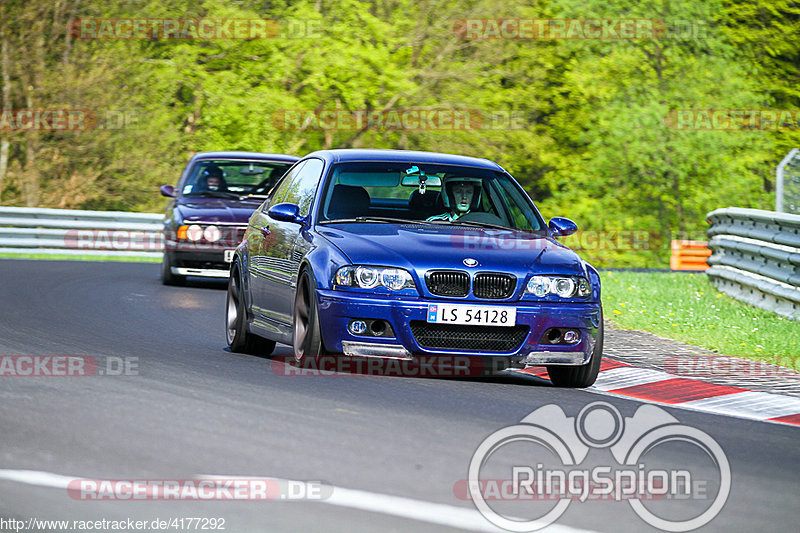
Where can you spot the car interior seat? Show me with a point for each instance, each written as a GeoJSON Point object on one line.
{"type": "Point", "coordinates": [422, 206]}
{"type": "Point", "coordinates": [348, 201]}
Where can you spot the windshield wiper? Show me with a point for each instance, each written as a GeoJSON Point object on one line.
{"type": "Point", "coordinates": [387, 220]}
{"type": "Point", "coordinates": [216, 194]}
{"type": "Point", "coordinates": [470, 223]}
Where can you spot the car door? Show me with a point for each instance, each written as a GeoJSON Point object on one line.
{"type": "Point", "coordinates": [279, 253]}
{"type": "Point", "coordinates": [260, 244]}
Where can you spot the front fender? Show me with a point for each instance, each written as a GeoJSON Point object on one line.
{"type": "Point", "coordinates": [241, 260]}
{"type": "Point", "coordinates": [324, 259]}
{"type": "Point", "coordinates": [594, 280]}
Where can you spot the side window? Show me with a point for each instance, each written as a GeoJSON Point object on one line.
{"type": "Point", "coordinates": [307, 181]}
{"type": "Point", "coordinates": [513, 199]}
{"type": "Point", "coordinates": [282, 192]}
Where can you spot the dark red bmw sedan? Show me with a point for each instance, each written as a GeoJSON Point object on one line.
{"type": "Point", "coordinates": [207, 212]}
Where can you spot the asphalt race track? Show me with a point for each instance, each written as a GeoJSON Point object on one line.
{"type": "Point", "coordinates": [390, 446]}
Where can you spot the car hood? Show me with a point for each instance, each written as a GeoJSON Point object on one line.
{"type": "Point", "coordinates": [423, 247]}
{"type": "Point", "coordinates": [231, 211]}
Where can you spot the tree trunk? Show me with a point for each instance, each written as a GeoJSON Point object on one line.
{"type": "Point", "coordinates": [30, 174]}
{"type": "Point", "coordinates": [6, 77]}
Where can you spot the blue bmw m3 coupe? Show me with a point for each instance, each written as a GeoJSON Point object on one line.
{"type": "Point", "coordinates": [403, 254]}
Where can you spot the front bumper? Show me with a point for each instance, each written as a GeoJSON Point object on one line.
{"type": "Point", "coordinates": [208, 262]}
{"type": "Point", "coordinates": [337, 308]}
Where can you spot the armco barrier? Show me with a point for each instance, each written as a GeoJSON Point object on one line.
{"type": "Point", "coordinates": [756, 257]}
{"type": "Point", "coordinates": [27, 230]}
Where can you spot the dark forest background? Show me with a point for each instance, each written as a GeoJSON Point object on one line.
{"type": "Point", "coordinates": [586, 134]}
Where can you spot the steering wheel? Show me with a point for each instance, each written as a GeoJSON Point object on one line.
{"type": "Point", "coordinates": [481, 216]}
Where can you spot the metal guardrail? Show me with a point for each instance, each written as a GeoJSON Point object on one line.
{"type": "Point", "coordinates": [756, 257]}
{"type": "Point", "coordinates": [28, 230]}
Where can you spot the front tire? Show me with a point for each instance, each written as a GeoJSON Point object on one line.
{"type": "Point", "coordinates": [584, 375]}
{"type": "Point", "coordinates": [237, 334]}
{"type": "Point", "coordinates": [307, 336]}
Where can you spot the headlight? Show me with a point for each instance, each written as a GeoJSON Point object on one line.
{"type": "Point", "coordinates": [194, 232]}
{"type": "Point", "coordinates": [367, 277]}
{"type": "Point", "coordinates": [212, 234]}
{"type": "Point", "coordinates": [541, 286]}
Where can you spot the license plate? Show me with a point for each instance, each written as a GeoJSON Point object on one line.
{"type": "Point", "coordinates": [228, 256]}
{"type": "Point", "coordinates": [473, 315]}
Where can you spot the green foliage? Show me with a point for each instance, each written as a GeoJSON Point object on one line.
{"type": "Point", "coordinates": [687, 307]}
{"type": "Point", "coordinates": [581, 123]}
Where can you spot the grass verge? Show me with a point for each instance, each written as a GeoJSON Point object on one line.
{"type": "Point", "coordinates": [688, 308]}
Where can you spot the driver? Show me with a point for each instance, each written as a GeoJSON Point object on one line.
{"type": "Point", "coordinates": [462, 194]}
{"type": "Point", "coordinates": [211, 180]}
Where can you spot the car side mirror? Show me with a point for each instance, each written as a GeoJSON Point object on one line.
{"type": "Point", "coordinates": [168, 191]}
{"type": "Point", "coordinates": [286, 213]}
{"type": "Point", "coordinates": [561, 227]}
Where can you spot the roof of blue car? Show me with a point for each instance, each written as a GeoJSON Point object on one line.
{"type": "Point", "coordinates": [410, 156]}
{"type": "Point", "coordinates": [246, 155]}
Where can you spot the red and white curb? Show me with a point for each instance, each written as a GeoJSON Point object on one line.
{"type": "Point", "coordinates": [621, 379]}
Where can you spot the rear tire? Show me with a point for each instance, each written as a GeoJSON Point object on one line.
{"type": "Point", "coordinates": [237, 334]}
{"type": "Point", "coordinates": [307, 338]}
{"type": "Point", "coordinates": [167, 277]}
{"type": "Point", "coordinates": [584, 375]}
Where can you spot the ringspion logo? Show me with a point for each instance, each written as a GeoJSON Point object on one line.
{"type": "Point", "coordinates": [533, 471]}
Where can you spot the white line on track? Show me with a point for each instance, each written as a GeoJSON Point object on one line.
{"type": "Point", "coordinates": [433, 513]}
{"type": "Point", "coordinates": [422, 511]}
{"type": "Point", "coordinates": [38, 478]}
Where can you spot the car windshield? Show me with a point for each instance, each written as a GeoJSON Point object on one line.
{"type": "Point", "coordinates": [426, 193]}
{"type": "Point", "coordinates": [233, 178]}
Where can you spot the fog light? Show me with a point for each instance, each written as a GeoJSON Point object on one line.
{"type": "Point", "coordinates": [571, 336]}
{"type": "Point", "coordinates": [357, 327]}
{"type": "Point", "coordinates": [378, 327]}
